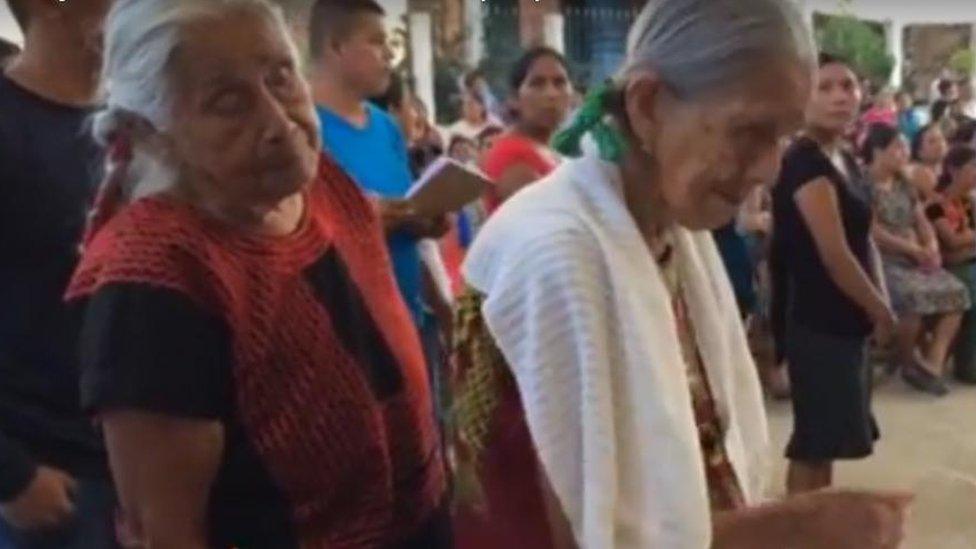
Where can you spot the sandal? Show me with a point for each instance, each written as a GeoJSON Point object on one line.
{"type": "Point", "coordinates": [921, 379]}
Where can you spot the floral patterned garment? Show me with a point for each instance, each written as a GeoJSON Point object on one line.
{"type": "Point", "coordinates": [914, 289]}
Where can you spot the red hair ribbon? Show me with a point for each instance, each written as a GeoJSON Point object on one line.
{"type": "Point", "coordinates": [110, 194]}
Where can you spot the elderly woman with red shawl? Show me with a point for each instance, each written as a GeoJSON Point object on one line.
{"type": "Point", "coordinates": [245, 349]}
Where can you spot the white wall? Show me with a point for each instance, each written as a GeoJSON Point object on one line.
{"type": "Point", "coordinates": [8, 27]}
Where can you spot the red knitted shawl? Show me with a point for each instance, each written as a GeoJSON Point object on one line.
{"type": "Point", "coordinates": [358, 472]}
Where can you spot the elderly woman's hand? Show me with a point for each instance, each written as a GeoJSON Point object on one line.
{"type": "Point", "coordinates": [856, 520]}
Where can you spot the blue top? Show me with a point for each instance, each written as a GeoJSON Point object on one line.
{"type": "Point", "coordinates": [909, 123]}
{"type": "Point", "coordinates": [376, 157]}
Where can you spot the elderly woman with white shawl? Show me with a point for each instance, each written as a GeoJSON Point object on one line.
{"type": "Point", "coordinates": [601, 323]}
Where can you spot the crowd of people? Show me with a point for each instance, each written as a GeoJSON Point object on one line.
{"type": "Point", "coordinates": [226, 325]}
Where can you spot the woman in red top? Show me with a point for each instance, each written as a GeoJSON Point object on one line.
{"type": "Point", "coordinates": [541, 94]}
{"type": "Point", "coordinates": [244, 347]}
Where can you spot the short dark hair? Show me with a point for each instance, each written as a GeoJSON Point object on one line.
{"type": "Point", "coordinates": [20, 12]}
{"type": "Point", "coordinates": [520, 71]}
{"type": "Point", "coordinates": [879, 136]}
{"type": "Point", "coordinates": [487, 133]}
{"type": "Point", "coordinates": [945, 85]}
{"type": "Point", "coordinates": [335, 19]}
{"type": "Point", "coordinates": [471, 76]}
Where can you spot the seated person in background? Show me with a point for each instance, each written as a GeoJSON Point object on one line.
{"type": "Point", "coordinates": [475, 117]}
{"type": "Point", "coordinates": [953, 216]}
{"type": "Point", "coordinates": [883, 110]}
{"type": "Point", "coordinates": [929, 148]}
{"type": "Point", "coordinates": [921, 291]}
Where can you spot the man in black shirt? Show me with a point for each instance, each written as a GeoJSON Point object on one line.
{"type": "Point", "coordinates": [54, 488]}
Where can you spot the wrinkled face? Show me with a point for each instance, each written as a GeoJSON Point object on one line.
{"type": "Point", "coordinates": [895, 156]}
{"type": "Point", "coordinates": [243, 120]}
{"type": "Point", "coordinates": [472, 109]}
{"type": "Point", "coordinates": [544, 96]}
{"type": "Point", "coordinates": [836, 97]}
{"type": "Point", "coordinates": [712, 151]}
{"type": "Point", "coordinates": [364, 56]}
{"type": "Point", "coordinates": [934, 146]}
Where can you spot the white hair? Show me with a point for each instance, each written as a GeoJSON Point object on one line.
{"type": "Point", "coordinates": [141, 37]}
{"type": "Point", "coordinates": [696, 45]}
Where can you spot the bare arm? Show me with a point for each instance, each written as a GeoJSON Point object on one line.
{"type": "Point", "coordinates": [817, 202]}
{"type": "Point", "coordinates": [513, 179]}
{"type": "Point", "coordinates": [752, 218]}
{"type": "Point", "coordinates": [894, 244]}
{"type": "Point", "coordinates": [771, 526]}
{"type": "Point", "coordinates": [954, 241]}
{"type": "Point", "coordinates": [926, 232]}
{"type": "Point", "coordinates": [164, 468]}
{"type": "Point", "coordinates": [877, 271]}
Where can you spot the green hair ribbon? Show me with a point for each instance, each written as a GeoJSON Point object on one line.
{"type": "Point", "coordinates": [591, 119]}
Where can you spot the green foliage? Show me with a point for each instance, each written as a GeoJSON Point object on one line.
{"type": "Point", "coordinates": [963, 62]}
{"type": "Point", "coordinates": [859, 42]}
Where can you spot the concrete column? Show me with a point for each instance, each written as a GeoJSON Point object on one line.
{"type": "Point", "coordinates": [8, 26]}
{"type": "Point", "coordinates": [807, 9]}
{"type": "Point", "coordinates": [554, 32]}
{"type": "Point", "coordinates": [474, 24]}
{"type": "Point", "coordinates": [894, 38]}
{"type": "Point", "coordinates": [532, 20]}
{"type": "Point", "coordinates": [422, 57]}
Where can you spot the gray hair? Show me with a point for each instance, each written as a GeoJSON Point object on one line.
{"type": "Point", "coordinates": [141, 37]}
{"type": "Point", "coordinates": [697, 45]}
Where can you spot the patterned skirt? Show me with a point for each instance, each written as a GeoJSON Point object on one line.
{"type": "Point", "coordinates": [920, 292]}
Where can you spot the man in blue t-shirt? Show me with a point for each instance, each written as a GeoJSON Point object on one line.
{"type": "Point", "coordinates": [351, 63]}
